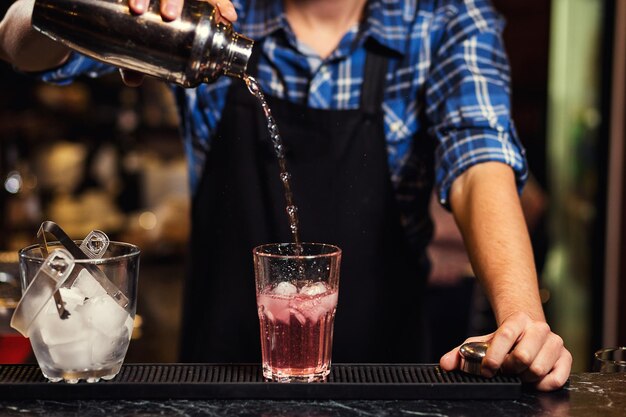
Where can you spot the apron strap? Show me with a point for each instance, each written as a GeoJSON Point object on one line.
{"type": "Point", "coordinates": [374, 80]}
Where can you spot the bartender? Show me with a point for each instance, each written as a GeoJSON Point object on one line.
{"type": "Point", "coordinates": [377, 102]}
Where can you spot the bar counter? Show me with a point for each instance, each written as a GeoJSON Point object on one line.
{"type": "Point", "coordinates": [586, 394]}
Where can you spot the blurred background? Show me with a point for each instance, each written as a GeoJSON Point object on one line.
{"type": "Point", "coordinates": [99, 155]}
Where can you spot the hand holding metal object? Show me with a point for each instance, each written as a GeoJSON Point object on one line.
{"type": "Point", "coordinates": [472, 354]}
{"type": "Point", "coordinates": [92, 247]}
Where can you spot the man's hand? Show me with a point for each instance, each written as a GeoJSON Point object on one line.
{"type": "Point", "coordinates": [24, 47]}
{"type": "Point", "coordinates": [171, 10]}
{"type": "Point", "coordinates": [525, 347]}
{"type": "Point", "coordinates": [487, 209]}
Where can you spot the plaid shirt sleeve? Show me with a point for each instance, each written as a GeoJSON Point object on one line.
{"type": "Point", "coordinates": [468, 98]}
{"type": "Point", "coordinates": [75, 66]}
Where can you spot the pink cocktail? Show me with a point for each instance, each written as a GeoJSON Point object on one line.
{"type": "Point", "coordinates": [296, 333]}
{"type": "Point", "coordinates": [297, 298]}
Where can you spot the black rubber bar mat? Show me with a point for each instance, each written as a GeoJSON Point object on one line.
{"type": "Point", "coordinates": [237, 381]}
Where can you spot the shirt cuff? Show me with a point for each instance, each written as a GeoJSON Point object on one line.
{"type": "Point", "coordinates": [468, 147]}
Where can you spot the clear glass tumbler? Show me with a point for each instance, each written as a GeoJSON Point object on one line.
{"type": "Point", "coordinates": [610, 360]}
{"type": "Point", "coordinates": [99, 297]}
{"type": "Point", "coordinates": [297, 289]}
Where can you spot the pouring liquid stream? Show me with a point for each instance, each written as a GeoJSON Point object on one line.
{"type": "Point", "coordinates": [285, 176]}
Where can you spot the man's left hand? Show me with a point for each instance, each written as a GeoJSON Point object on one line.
{"type": "Point", "coordinates": [524, 347]}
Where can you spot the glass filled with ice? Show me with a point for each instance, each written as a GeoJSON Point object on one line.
{"type": "Point", "coordinates": [297, 289]}
{"type": "Point", "coordinates": [79, 321]}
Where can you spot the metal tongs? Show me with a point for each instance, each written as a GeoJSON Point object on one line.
{"type": "Point", "coordinates": [92, 247]}
{"type": "Point", "coordinates": [52, 274]}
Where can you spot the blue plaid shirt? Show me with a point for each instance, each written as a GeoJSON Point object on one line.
{"type": "Point", "coordinates": [450, 78]}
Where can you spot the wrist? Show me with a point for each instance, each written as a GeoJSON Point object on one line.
{"type": "Point", "coordinates": [533, 314]}
{"type": "Point", "coordinates": [38, 53]}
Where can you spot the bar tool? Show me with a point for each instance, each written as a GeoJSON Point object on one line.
{"type": "Point", "coordinates": [472, 354]}
{"type": "Point", "coordinates": [198, 47]}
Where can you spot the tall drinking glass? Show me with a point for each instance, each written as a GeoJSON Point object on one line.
{"type": "Point", "coordinates": [78, 313]}
{"type": "Point", "coordinates": [297, 288]}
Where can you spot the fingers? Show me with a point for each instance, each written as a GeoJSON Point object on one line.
{"type": "Point", "coordinates": [544, 361]}
{"type": "Point", "coordinates": [536, 337]}
{"type": "Point", "coordinates": [170, 9]}
{"type": "Point", "coordinates": [226, 9]}
{"type": "Point", "coordinates": [524, 347]}
{"type": "Point", "coordinates": [559, 373]}
{"type": "Point", "coordinates": [452, 360]}
{"type": "Point", "coordinates": [505, 337]}
{"type": "Point", "coordinates": [528, 348]}
{"type": "Point", "coordinates": [138, 6]}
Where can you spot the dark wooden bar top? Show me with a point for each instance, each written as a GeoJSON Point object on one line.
{"type": "Point", "coordinates": [587, 394]}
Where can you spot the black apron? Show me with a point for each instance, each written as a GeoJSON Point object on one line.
{"type": "Point", "coordinates": [341, 185]}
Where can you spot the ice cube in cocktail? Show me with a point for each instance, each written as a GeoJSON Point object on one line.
{"type": "Point", "coordinates": [91, 343]}
{"type": "Point", "coordinates": [297, 330]}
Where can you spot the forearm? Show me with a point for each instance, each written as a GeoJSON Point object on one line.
{"type": "Point", "coordinates": [487, 209]}
{"type": "Point", "coordinates": [24, 47]}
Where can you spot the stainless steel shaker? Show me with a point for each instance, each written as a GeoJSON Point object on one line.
{"type": "Point", "coordinates": [190, 50]}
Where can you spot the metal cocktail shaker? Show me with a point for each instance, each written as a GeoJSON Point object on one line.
{"type": "Point", "coordinates": [190, 50]}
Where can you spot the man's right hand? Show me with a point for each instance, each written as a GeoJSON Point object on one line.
{"type": "Point", "coordinates": [171, 10]}
{"type": "Point", "coordinates": [24, 47]}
